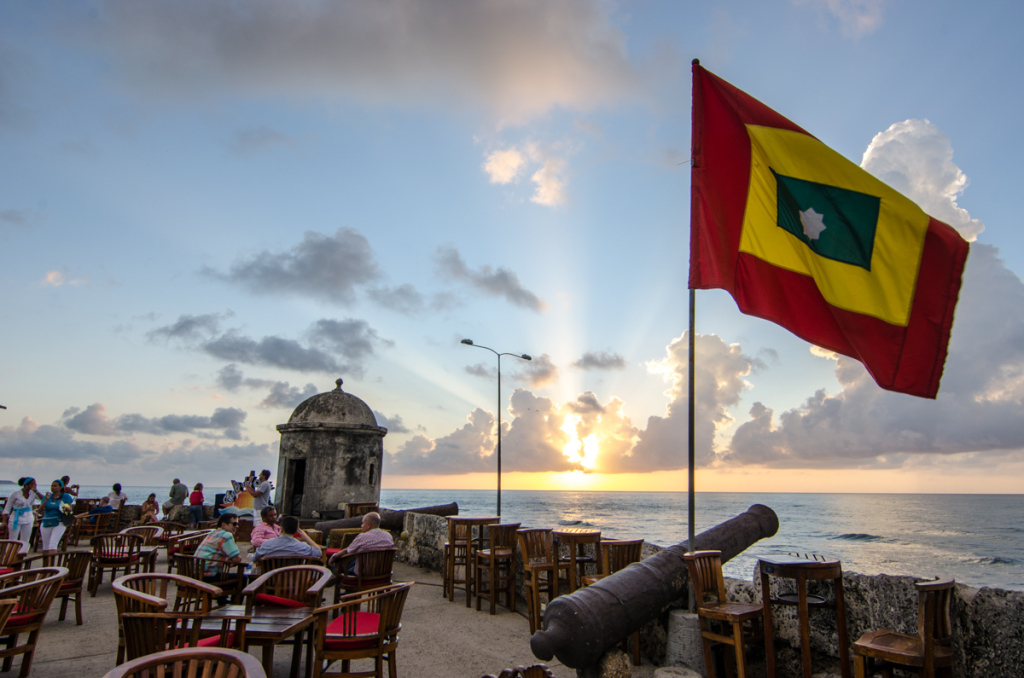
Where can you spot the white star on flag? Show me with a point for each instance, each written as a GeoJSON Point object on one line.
{"type": "Point", "coordinates": [813, 223]}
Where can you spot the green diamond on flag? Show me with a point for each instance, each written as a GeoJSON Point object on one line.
{"type": "Point", "coordinates": [834, 222]}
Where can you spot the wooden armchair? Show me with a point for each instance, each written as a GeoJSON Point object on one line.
{"type": "Point", "coordinates": [11, 555]}
{"type": "Point", "coordinates": [77, 565]}
{"type": "Point", "coordinates": [373, 570]}
{"type": "Point", "coordinates": [366, 627]}
{"type": "Point", "coordinates": [294, 586]}
{"type": "Point", "coordinates": [499, 564]}
{"type": "Point", "coordinates": [541, 570]}
{"type": "Point", "coordinates": [146, 633]}
{"type": "Point", "coordinates": [152, 534]}
{"type": "Point", "coordinates": [148, 592]}
{"type": "Point", "coordinates": [930, 652]}
{"type": "Point", "coordinates": [721, 622]}
{"type": "Point", "coordinates": [232, 575]}
{"type": "Point", "coordinates": [113, 552]}
{"type": "Point", "coordinates": [184, 544]}
{"type": "Point", "coordinates": [34, 591]}
{"type": "Point", "coordinates": [198, 661]}
{"type": "Point", "coordinates": [88, 526]}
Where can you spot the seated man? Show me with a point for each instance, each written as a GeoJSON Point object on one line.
{"type": "Point", "coordinates": [219, 547]}
{"type": "Point", "coordinates": [292, 542]}
{"type": "Point", "coordinates": [266, 528]}
{"type": "Point", "coordinates": [370, 538]}
{"type": "Point", "coordinates": [103, 507]}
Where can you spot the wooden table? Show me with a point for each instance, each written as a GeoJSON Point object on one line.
{"type": "Point", "coordinates": [472, 544]}
{"type": "Point", "coordinates": [802, 570]}
{"type": "Point", "coordinates": [268, 627]}
{"type": "Point", "coordinates": [576, 537]}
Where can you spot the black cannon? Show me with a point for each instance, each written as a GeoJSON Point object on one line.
{"type": "Point", "coordinates": [579, 628]}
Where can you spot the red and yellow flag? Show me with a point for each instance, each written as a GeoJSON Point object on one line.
{"type": "Point", "coordinates": [803, 237]}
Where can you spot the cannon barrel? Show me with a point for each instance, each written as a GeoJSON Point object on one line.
{"type": "Point", "coordinates": [390, 520]}
{"type": "Point", "coordinates": [579, 628]}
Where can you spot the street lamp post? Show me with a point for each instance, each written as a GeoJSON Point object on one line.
{"type": "Point", "coordinates": [521, 356]}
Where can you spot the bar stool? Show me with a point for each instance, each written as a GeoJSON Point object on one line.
{"type": "Point", "coordinates": [541, 569]}
{"type": "Point", "coordinates": [455, 553]}
{"type": "Point", "coordinates": [499, 562]}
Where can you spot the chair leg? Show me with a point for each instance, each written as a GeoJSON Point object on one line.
{"type": "Point", "coordinates": [78, 608]}
{"type": "Point", "coordinates": [494, 582]}
{"type": "Point", "coordinates": [741, 658]}
{"type": "Point", "coordinates": [859, 669]}
{"type": "Point", "coordinates": [63, 608]}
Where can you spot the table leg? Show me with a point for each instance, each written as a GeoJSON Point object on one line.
{"type": "Point", "coordinates": [844, 647]}
{"type": "Point", "coordinates": [769, 631]}
{"type": "Point", "coordinates": [805, 623]}
{"type": "Point", "coordinates": [470, 570]}
{"type": "Point", "coordinates": [297, 652]}
{"type": "Point", "coordinates": [572, 567]}
{"type": "Point", "coordinates": [268, 659]}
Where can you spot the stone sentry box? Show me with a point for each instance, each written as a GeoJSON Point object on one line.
{"type": "Point", "coordinates": [331, 454]}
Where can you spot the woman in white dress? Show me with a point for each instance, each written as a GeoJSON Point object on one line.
{"type": "Point", "coordinates": [18, 512]}
{"type": "Point", "coordinates": [117, 497]}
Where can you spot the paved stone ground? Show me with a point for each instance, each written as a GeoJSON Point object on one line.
{"type": "Point", "coordinates": [439, 639]}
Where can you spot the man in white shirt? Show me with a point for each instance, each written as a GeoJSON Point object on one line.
{"type": "Point", "coordinates": [261, 493]}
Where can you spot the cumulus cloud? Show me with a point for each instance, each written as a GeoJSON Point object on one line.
{"type": "Point", "coordinates": [225, 422]}
{"type": "Point", "coordinates": [259, 139]}
{"type": "Point", "coordinates": [538, 372]}
{"type": "Point", "coordinates": [549, 169]}
{"type": "Point", "coordinates": [916, 159]}
{"type": "Point", "coordinates": [393, 424]}
{"type": "Point", "coordinates": [329, 268]}
{"type": "Point", "coordinates": [856, 17]}
{"type": "Point", "coordinates": [503, 166]}
{"type": "Point", "coordinates": [60, 278]}
{"type": "Point", "coordinates": [326, 339]}
{"type": "Point", "coordinates": [32, 441]}
{"type": "Point", "coordinates": [517, 60]}
{"type": "Point", "coordinates": [593, 360]}
{"type": "Point", "coordinates": [465, 450]}
{"type": "Point", "coordinates": [403, 298]}
{"type": "Point", "coordinates": [499, 282]}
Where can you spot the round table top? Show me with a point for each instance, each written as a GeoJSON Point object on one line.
{"type": "Point", "coordinates": [575, 531]}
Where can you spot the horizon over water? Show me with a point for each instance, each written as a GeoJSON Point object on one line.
{"type": "Point", "coordinates": [977, 539]}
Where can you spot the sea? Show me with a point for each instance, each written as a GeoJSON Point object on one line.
{"type": "Point", "coordinates": [976, 539]}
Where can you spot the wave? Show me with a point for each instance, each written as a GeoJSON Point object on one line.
{"type": "Point", "coordinates": [996, 560]}
{"type": "Point", "coordinates": [859, 536]}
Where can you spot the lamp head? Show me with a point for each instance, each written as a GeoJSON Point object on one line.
{"type": "Point", "coordinates": [467, 342]}
{"type": "Point", "coordinates": [525, 357]}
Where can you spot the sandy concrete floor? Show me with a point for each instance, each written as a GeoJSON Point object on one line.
{"type": "Point", "coordinates": [439, 639]}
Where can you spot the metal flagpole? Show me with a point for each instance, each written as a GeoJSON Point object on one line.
{"type": "Point", "coordinates": [691, 464]}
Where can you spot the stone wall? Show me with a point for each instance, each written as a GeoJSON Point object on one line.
{"type": "Point", "coordinates": [988, 624]}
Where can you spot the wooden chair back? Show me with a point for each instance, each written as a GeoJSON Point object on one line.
{"type": "Point", "coordinates": [184, 544]}
{"type": "Point", "coordinates": [146, 633]}
{"type": "Point", "coordinates": [705, 568]}
{"type": "Point", "coordinates": [934, 623]}
{"type": "Point", "coordinates": [10, 553]}
{"type": "Point", "coordinates": [299, 583]}
{"type": "Point", "coordinates": [502, 536]}
{"type": "Point", "coordinates": [197, 661]}
{"type": "Point", "coordinates": [146, 591]}
{"type": "Point", "coordinates": [7, 606]}
{"type": "Point", "coordinates": [87, 527]}
{"type": "Point", "coordinates": [115, 548]}
{"type": "Point", "coordinates": [34, 591]}
{"type": "Point", "coordinates": [268, 564]}
{"type": "Point", "coordinates": [537, 546]}
{"type": "Point", "coordinates": [617, 555]}
{"type": "Point", "coordinates": [77, 565]}
{"type": "Point", "coordinates": [341, 537]}
{"type": "Point", "coordinates": [458, 533]}
{"type": "Point", "coordinates": [150, 534]}
{"type": "Point", "coordinates": [388, 602]}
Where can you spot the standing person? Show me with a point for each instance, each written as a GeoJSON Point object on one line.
{"type": "Point", "coordinates": [68, 487]}
{"type": "Point", "coordinates": [292, 542]}
{"type": "Point", "coordinates": [266, 529]}
{"type": "Point", "coordinates": [178, 495]}
{"type": "Point", "coordinates": [219, 547]}
{"type": "Point", "coordinates": [262, 493]}
{"type": "Point", "coordinates": [370, 538]}
{"type": "Point", "coordinates": [52, 528]}
{"type": "Point", "coordinates": [19, 512]}
{"type": "Point", "coordinates": [117, 497]}
{"type": "Point", "coordinates": [195, 506]}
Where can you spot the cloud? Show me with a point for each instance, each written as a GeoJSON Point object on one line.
{"type": "Point", "coordinates": [59, 279]}
{"type": "Point", "coordinates": [352, 339]}
{"type": "Point", "coordinates": [225, 422]}
{"type": "Point", "coordinates": [916, 159]}
{"type": "Point", "coordinates": [260, 139]}
{"type": "Point", "coordinates": [503, 166]}
{"type": "Point", "coordinates": [465, 450]}
{"type": "Point", "coordinates": [538, 372]}
{"type": "Point", "coordinates": [550, 181]}
{"type": "Point", "coordinates": [856, 17]}
{"type": "Point", "coordinates": [281, 393]}
{"type": "Point", "coordinates": [30, 441]}
{"type": "Point", "coordinates": [323, 267]}
{"type": "Point", "coordinates": [517, 60]}
{"type": "Point", "coordinates": [592, 360]}
{"type": "Point", "coordinates": [392, 424]}
{"type": "Point", "coordinates": [10, 217]}
{"type": "Point", "coordinates": [403, 299]}
{"type": "Point", "coordinates": [497, 283]}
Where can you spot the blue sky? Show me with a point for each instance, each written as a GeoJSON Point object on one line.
{"type": "Point", "coordinates": [209, 211]}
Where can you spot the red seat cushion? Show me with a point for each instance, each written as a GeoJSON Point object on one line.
{"type": "Point", "coordinates": [212, 641]}
{"type": "Point", "coordinates": [267, 599]}
{"type": "Point", "coordinates": [367, 624]}
{"type": "Point", "coordinates": [19, 619]}
{"type": "Point", "coordinates": [6, 570]}
{"type": "Point", "coordinates": [331, 552]}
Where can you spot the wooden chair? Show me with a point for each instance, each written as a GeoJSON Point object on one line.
{"type": "Point", "coordinates": [77, 565]}
{"type": "Point", "coordinates": [455, 554]}
{"type": "Point", "coordinates": [721, 622]}
{"type": "Point", "coordinates": [11, 555]}
{"type": "Point", "coordinates": [534, 671]}
{"type": "Point", "coordinates": [340, 538]}
{"type": "Point", "coordinates": [499, 563]}
{"type": "Point", "coordinates": [171, 529]}
{"type": "Point", "coordinates": [152, 534]}
{"type": "Point", "coordinates": [113, 552]}
{"type": "Point", "coordinates": [34, 591]}
{"type": "Point", "coordinates": [373, 570]}
{"type": "Point", "coordinates": [358, 509]}
{"type": "Point", "coordinates": [264, 565]}
{"type": "Point", "coordinates": [541, 570]}
{"type": "Point", "coordinates": [147, 633]}
{"type": "Point", "coordinates": [294, 586]}
{"type": "Point", "coordinates": [231, 580]}
{"type": "Point", "coordinates": [87, 527]}
{"type": "Point", "coordinates": [617, 555]}
{"type": "Point", "coordinates": [198, 661]}
{"type": "Point", "coordinates": [148, 592]}
{"type": "Point", "coordinates": [184, 544]}
{"type": "Point", "coordinates": [930, 652]}
{"type": "Point", "coordinates": [366, 627]}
